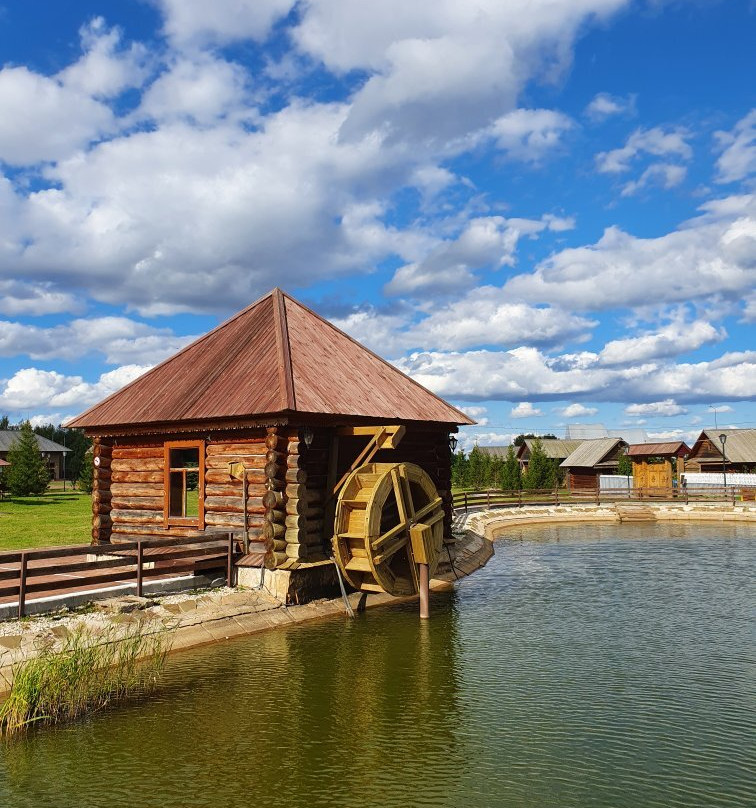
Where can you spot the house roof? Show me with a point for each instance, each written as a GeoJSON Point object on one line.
{"type": "Point", "coordinates": [494, 451]}
{"type": "Point", "coordinates": [740, 446]}
{"type": "Point", "coordinates": [591, 452]}
{"type": "Point", "coordinates": [275, 356]}
{"type": "Point", "coordinates": [555, 448]}
{"type": "Point", "coordinates": [669, 449]}
{"type": "Point", "coordinates": [7, 436]}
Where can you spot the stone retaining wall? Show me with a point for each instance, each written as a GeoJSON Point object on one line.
{"type": "Point", "coordinates": [490, 523]}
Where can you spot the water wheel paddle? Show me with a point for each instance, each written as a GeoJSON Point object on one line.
{"type": "Point", "coordinates": [389, 518]}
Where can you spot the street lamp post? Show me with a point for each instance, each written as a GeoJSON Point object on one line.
{"type": "Point", "coordinates": [723, 440]}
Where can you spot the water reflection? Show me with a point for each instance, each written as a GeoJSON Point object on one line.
{"type": "Point", "coordinates": [584, 666]}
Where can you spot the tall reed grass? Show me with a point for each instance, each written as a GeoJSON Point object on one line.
{"type": "Point", "coordinates": [89, 672]}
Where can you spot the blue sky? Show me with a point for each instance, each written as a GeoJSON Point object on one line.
{"type": "Point", "coordinates": [543, 211]}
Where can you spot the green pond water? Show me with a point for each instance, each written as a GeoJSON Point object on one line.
{"type": "Point", "coordinates": [584, 666]}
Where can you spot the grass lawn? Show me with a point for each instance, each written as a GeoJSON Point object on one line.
{"type": "Point", "coordinates": [54, 518]}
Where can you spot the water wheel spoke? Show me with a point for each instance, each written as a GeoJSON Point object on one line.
{"type": "Point", "coordinates": [388, 536]}
{"type": "Point", "coordinates": [391, 549]}
{"type": "Point", "coordinates": [399, 495]}
{"type": "Point", "coordinates": [436, 517]}
{"type": "Point", "coordinates": [428, 508]}
{"type": "Point", "coordinates": [409, 503]}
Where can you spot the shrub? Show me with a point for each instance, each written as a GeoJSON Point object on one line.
{"type": "Point", "coordinates": [87, 674]}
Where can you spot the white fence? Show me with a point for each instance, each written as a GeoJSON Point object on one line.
{"type": "Point", "coordinates": [708, 479]}
{"type": "Point", "coordinates": [613, 481]}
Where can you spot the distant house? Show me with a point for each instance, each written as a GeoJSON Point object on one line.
{"type": "Point", "coordinates": [52, 452]}
{"type": "Point", "coordinates": [554, 448]}
{"type": "Point", "coordinates": [739, 451]}
{"type": "Point", "coordinates": [653, 463]}
{"type": "Point", "coordinates": [591, 459]}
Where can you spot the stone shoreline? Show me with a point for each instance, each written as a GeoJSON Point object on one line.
{"type": "Point", "coordinates": [490, 523]}
{"type": "Point", "coordinates": [194, 619]}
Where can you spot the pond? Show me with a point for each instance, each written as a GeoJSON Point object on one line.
{"type": "Point", "coordinates": [586, 665]}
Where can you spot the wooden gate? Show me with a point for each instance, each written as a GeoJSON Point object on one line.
{"type": "Point", "coordinates": [652, 475]}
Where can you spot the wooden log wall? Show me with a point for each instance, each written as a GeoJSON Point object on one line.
{"type": "Point", "coordinates": [137, 490]}
{"type": "Point", "coordinates": [137, 485]}
{"type": "Point", "coordinates": [582, 480]}
{"type": "Point", "coordinates": [224, 495]}
{"type": "Point", "coordinates": [274, 513]}
{"type": "Point", "coordinates": [304, 510]}
{"type": "Point", "coordinates": [102, 520]}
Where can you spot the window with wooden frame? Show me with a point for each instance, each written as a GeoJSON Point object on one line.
{"type": "Point", "coordinates": [184, 497]}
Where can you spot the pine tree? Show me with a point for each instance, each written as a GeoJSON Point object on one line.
{"type": "Point", "coordinates": [476, 468]}
{"type": "Point", "coordinates": [541, 471]}
{"type": "Point", "coordinates": [511, 478]}
{"type": "Point", "coordinates": [459, 470]}
{"type": "Point", "coordinates": [27, 474]}
{"type": "Point", "coordinates": [86, 475]}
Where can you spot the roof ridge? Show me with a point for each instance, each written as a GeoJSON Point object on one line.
{"type": "Point", "coordinates": [465, 418]}
{"type": "Point", "coordinates": [283, 344]}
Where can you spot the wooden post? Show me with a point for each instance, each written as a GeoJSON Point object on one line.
{"type": "Point", "coordinates": [139, 562]}
{"type": "Point", "coordinates": [465, 501]}
{"type": "Point", "coordinates": [22, 586]}
{"type": "Point", "coordinates": [424, 580]}
{"type": "Point", "coordinates": [519, 497]}
{"type": "Point", "coordinates": [488, 500]}
{"type": "Point", "coordinates": [246, 517]}
{"type": "Point", "coordinates": [230, 561]}
{"type": "Point", "coordinates": [598, 491]}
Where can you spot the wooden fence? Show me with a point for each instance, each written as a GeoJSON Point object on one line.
{"type": "Point", "coordinates": [467, 500]}
{"type": "Point", "coordinates": [57, 569]}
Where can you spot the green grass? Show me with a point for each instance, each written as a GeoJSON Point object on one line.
{"type": "Point", "coordinates": [90, 672]}
{"type": "Point", "coordinates": [52, 519]}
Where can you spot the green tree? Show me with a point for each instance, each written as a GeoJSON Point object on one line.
{"type": "Point", "coordinates": [495, 471]}
{"type": "Point", "coordinates": [541, 471]}
{"type": "Point", "coordinates": [520, 439]}
{"type": "Point", "coordinates": [511, 476]}
{"type": "Point", "coordinates": [624, 465]}
{"type": "Point", "coordinates": [476, 468]}
{"type": "Point", "coordinates": [459, 470]}
{"type": "Point", "coordinates": [86, 474]}
{"type": "Point", "coordinates": [27, 474]}
{"type": "Point", "coordinates": [4, 422]}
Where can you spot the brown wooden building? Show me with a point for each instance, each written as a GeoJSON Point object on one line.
{"type": "Point", "coordinates": [590, 460]}
{"type": "Point", "coordinates": [554, 448]}
{"type": "Point", "coordinates": [655, 464]}
{"type": "Point", "coordinates": [739, 451]}
{"type": "Point", "coordinates": [276, 400]}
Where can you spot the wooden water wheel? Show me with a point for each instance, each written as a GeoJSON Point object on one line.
{"type": "Point", "coordinates": [389, 518]}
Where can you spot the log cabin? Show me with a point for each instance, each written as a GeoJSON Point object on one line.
{"type": "Point", "coordinates": [739, 451]}
{"type": "Point", "coordinates": [590, 460]}
{"type": "Point", "coordinates": [256, 428]}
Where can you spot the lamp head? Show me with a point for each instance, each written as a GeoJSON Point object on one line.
{"type": "Point", "coordinates": [307, 435]}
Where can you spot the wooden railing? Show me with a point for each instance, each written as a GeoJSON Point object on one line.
{"type": "Point", "coordinates": [492, 498]}
{"type": "Point", "coordinates": [57, 569]}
